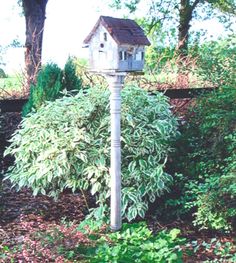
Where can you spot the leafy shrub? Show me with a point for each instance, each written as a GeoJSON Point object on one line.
{"type": "Point", "coordinates": [206, 156]}
{"type": "Point", "coordinates": [136, 243]}
{"type": "Point", "coordinates": [66, 144]}
{"type": "Point", "coordinates": [48, 87]}
{"type": "Point", "coordinates": [51, 81]}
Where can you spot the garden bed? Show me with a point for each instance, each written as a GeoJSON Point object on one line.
{"type": "Point", "coordinates": [23, 216]}
{"type": "Point", "coordinates": [32, 228]}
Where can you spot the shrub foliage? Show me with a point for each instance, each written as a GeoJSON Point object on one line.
{"type": "Point", "coordinates": [66, 144]}
{"type": "Point", "coordinates": [71, 81]}
{"type": "Point", "coordinates": [2, 74]}
{"type": "Point", "coordinates": [206, 156]}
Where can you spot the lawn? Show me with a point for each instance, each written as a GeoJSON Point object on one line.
{"type": "Point", "coordinates": [11, 87]}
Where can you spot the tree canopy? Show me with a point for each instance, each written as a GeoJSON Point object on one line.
{"type": "Point", "coordinates": [173, 18]}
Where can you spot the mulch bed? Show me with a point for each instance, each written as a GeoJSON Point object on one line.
{"type": "Point", "coordinates": [15, 205]}
{"type": "Point", "coordinates": [22, 214]}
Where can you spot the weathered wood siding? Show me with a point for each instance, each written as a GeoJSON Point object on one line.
{"type": "Point", "coordinates": [103, 53]}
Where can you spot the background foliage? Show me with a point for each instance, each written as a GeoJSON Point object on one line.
{"type": "Point", "coordinates": [205, 155]}
{"type": "Point", "coordinates": [217, 61]}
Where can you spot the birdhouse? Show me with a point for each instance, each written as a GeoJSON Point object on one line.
{"type": "Point", "coordinates": [116, 44]}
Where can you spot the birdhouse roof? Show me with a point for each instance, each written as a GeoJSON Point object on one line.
{"type": "Point", "coordinates": [123, 31]}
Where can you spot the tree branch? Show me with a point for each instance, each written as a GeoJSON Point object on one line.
{"type": "Point", "coordinates": [193, 6]}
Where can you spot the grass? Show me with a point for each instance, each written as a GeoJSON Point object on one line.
{"type": "Point", "coordinates": [11, 87]}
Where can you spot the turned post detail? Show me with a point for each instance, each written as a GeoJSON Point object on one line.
{"type": "Point", "coordinates": [116, 82]}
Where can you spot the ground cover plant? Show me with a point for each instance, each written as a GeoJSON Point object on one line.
{"type": "Point", "coordinates": [136, 243]}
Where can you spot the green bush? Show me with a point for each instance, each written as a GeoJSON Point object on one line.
{"type": "Point", "coordinates": [66, 144]}
{"type": "Point", "coordinates": [48, 87]}
{"type": "Point", "coordinates": [70, 79]}
{"type": "Point", "coordinates": [206, 156]}
{"type": "Point", "coordinates": [51, 81]}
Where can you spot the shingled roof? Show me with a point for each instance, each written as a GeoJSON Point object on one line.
{"type": "Point", "coordinates": [123, 31]}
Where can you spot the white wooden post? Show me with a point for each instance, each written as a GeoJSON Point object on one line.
{"type": "Point", "coordinates": [116, 81]}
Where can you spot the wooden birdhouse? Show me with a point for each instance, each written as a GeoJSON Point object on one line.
{"type": "Point", "coordinates": [117, 45]}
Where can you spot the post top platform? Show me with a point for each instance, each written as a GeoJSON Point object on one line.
{"type": "Point", "coordinates": [115, 72]}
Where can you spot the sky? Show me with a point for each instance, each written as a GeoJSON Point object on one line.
{"type": "Point", "coordinates": [66, 26]}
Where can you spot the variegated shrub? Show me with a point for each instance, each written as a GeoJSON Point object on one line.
{"type": "Point", "coordinates": [66, 144]}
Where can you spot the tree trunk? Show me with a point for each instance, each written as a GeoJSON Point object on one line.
{"type": "Point", "coordinates": [185, 17]}
{"type": "Point", "coordinates": [34, 11]}
{"type": "Point", "coordinates": [184, 25]}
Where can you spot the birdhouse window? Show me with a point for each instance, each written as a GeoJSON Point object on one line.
{"type": "Point", "coordinates": [123, 55]}
{"type": "Point", "coordinates": [139, 56]}
{"type": "Point", "coordinates": [105, 36]}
